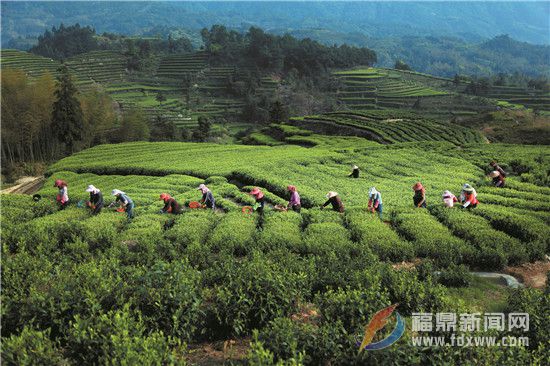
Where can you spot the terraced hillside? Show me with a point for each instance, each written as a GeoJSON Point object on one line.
{"type": "Point", "coordinates": [177, 66]}
{"type": "Point", "coordinates": [388, 127]}
{"type": "Point", "coordinates": [99, 66]}
{"type": "Point", "coordinates": [207, 276]}
{"type": "Point", "coordinates": [372, 88]}
{"type": "Point", "coordinates": [33, 65]}
{"type": "Point", "coordinates": [530, 98]}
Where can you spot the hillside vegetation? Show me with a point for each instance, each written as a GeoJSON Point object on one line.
{"type": "Point", "coordinates": [160, 281]}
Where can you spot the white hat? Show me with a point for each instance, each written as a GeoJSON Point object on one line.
{"type": "Point", "coordinates": [331, 194]}
{"type": "Point", "coordinates": [355, 167]}
{"type": "Point", "coordinates": [116, 192]}
{"type": "Point", "coordinates": [201, 186]}
{"type": "Point", "coordinates": [372, 191]}
{"type": "Point", "coordinates": [91, 188]}
{"type": "Point", "coordinates": [447, 194]}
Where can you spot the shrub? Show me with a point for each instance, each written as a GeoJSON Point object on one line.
{"type": "Point", "coordinates": [353, 308]}
{"type": "Point", "coordinates": [234, 234]}
{"type": "Point", "coordinates": [495, 249]}
{"type": "Point", "coordinates": [120, 337]}
{"type": "Point", "coordinates": [31, 347]}
{"type": "Point", "coordinates": [280, 230]}
{"type": "Point", "coordinates": [168, 296]}
{"type": "Point", "coordinates": [369, 230]}
{"type": "Point", "coordinates": [252, 293]}
{"type": "Point", "coordinates": [455, 276]}
{"type": "Point", "coordinates": [432, 239]}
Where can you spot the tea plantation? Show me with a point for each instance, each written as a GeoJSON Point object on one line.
{"type": "Point", "coordinates": [300, 287]}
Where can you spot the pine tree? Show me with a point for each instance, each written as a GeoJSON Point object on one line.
{"type": "Point", "coordinates": [67, 119]}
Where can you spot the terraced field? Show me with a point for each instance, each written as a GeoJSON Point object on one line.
{"type": "Point", "coordinates": [388, 127]}
{"type": "Point", "coordinates": [530, 98]}
{"type": "Point", "coordinates": [316, 171]}
{"type": "Point", "coordinates": [33, 65]}
{"type": "Point", "coordinates": [99, 66]}
{"type": "Point", "coordinates": [210, 276]}
{"type": "Point", "coordinates": [372, 88]}
{"type": "Point", "coordinates": [177, 66]}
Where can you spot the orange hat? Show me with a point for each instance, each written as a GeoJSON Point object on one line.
{"type": "Point", "coordinates": [418, 186]}
{"type": "Point", "coordinates": [291, 188]}
{"type": "Point", "coordinates": [164, 196]}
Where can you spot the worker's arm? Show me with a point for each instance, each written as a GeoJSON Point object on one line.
{"type": "Point", "coordinates": [376, 203]}
{"type": "Point", "coordinates": [326, 203]}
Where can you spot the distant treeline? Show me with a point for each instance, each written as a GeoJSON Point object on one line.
{"type": "Point", "coordinates": [280, 53]}
{"type": "Point", "coordinates": [446, 56]}
{"type": "Point", "coordinates": [64, 42]}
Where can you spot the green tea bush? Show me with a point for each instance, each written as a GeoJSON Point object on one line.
{"type": "Point", "coordinates": [432, 239]}
{"type": "Point", "coordinates": [413, 295]}
{"type": "Point", "coordinates": [31, 347]}
{"type": "Point", "coordinates": [234, 234]}
{"type": "Point", "coordinates": [319, 344]}
{"type": "Point", "coordinates": [321, 238]}
{"type": "Point", "coordinates": [369, 230]}
{"type": "Point", "coordinates": [168, 296]}
{"type": "Point", "coordinates": [353, 308]}
{"type": "Point", "coordinates": [280, 230]}
{"type": "Point", "coordinates": [455, 276]}
{"type": "Point", "coordinates": [252, 293]}
{"type": "Point", "coordinates": [526, 228]}
{"type": "Point", "coordinates": [495, 248]}
{"type": "Point", "coordinates": [121, 337]}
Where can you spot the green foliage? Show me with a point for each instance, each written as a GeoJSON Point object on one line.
{"type": "Point", "coordinates": [67, 119]}
{"type": "Point", "coordinates": [455, 276]}
{"type": "Point", "coordinates": [367, 229]}
{"type": "Point", "coordinates": [120, 337]}
{"type": "Point", "coordinates": [253, 292]}
{"type": "Point", "coordinates": [31, 347]}
{"type": "Point", "coordinates": [64, 42]}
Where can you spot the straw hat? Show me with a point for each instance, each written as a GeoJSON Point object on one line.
{"type": "Point", "coordinates": [331, 194]}
{"type": "Point", "coordinates": [418, 186]}
{"type": "Point", "coordinates": [494, 174]}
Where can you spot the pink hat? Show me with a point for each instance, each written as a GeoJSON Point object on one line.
{"type": "Point", "coordinates": [255, 191]}
{"type": "Point", "coordinates": [291, 188]}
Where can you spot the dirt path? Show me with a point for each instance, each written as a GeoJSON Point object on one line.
{"type": "Point", "coordinates": [26, 185]}
{"type": "Point", "coordinates": [531, 274]}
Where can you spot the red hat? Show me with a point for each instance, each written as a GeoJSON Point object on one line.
{"type": "Point", "coordinates": [58, 183]}
{"type": "Point", "coordinates": [418, 186]}
{"type": "Point", "coordinates": [255, 191]}
{"type": "Point", "coordinates": [164, 196]}
{"type": "Point", "coordinates": [291, 188]}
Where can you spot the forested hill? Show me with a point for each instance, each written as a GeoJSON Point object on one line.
{"type": "Point", "coordinates": [471, 21]}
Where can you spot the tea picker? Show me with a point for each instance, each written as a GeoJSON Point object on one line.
{"type": "Point", "coordinates": [335, 201]}
{"type": "Point", "coordinates": [260, 200]}
{"type": "Point", "coordinates": [96, 199]}
{"type": "Point", "coordinates": [126, 202]}
{"type": "Point", "coordinates": [354, 172]}
{"type": "Point", "coordinates": [468, 197]}
{"type": "Point", "coordinates": [63, 195]}
{"type": "Point", "coordinates": [497, 167]}
{"type": "Point", "coordinates": [419, 198]}
{"type": "Point", "coordinates": [449, 199]}
{"type": "Point", "coordinates": [294, 202]}
{"type": "Point", "coordinates": [207, 197]}
{"type": "Point", "coordinates": [170, 205]}
{"type": "Point", "coordinates": [498, 178]}
{"type": "Point", "coordinates": [375, 201]}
